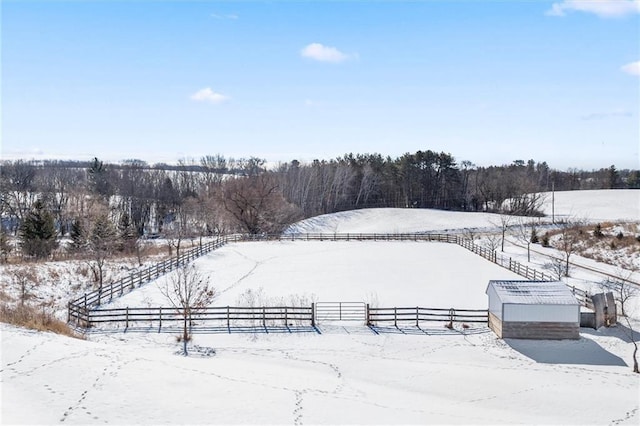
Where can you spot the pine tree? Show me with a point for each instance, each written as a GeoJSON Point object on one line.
{"type": "Point", "coordinates": [128, 234]}
{"type": "Point", "coordinates": [5, 245]}
{"type": "Point", "coordinates": [38, 232]}
{"type": "Point", "coordinates": [77, 234]}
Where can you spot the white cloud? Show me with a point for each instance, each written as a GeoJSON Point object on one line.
{"type": "Point", "coordinates": [319, 52]}
{"type": "Point", "coordinates": [208, 95]}
{"type": "Point", "coordinates": [602, 8]}
{"type": "Point", "coordinates": [633, 68]}
{"type": "Point", "coordinates": [606, 115]}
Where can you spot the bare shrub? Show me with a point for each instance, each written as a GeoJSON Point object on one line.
{"type": "Point", "coordinates": [24, 280]}
{"type": "Point", "coordinates": [556, 267]}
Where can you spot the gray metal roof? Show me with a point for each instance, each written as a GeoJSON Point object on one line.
{"type": "Point", "coordinates": [533, 292]}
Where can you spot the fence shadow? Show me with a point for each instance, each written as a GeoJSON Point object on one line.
{"type": "Point", "coordinates": [583, 351]}
{"type": "Point", "coordinates": [207, 330]}
{"type": "Point", "coordinates": [428, 331]}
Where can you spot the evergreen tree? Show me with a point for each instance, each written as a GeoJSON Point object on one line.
{"type": "Point", "coordinates": [99, 178]}
{"type": "Point", "coordinates": [77, 234]}
{"type": "Point", "coordinates": [5, 245]}
{"type": "Point", "coordinates": [128, 233]}
{"type": "Point", "coordinates": [38, 232]}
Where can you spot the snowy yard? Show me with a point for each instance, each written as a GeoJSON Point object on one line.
{"type": "Point", "coordinates": [346, 374]}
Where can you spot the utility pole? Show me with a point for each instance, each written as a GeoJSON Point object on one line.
{"type": "Point", "coordinates": [553, 201]}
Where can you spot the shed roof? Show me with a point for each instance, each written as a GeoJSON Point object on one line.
{"type": "Point", "coordinates": [533, 292]}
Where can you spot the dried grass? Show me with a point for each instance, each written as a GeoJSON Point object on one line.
{"type": "Point", "coordinates": [35, 319]}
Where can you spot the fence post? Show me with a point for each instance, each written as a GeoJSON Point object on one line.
{"type": "Point", "coordinates": [126, 324]}
{"type": "Point", "coordinates": [228, 320]}
{"type": "Point", "coordinates": [417, 317]}
{"type": "Point", "coordinates": [395, 317]}
{"type": "Point", "coordinates": [160, 326]}
{"type": "Point", "coordinates": [68, 312]}
{"type": "Point", "coordinates": [366, 315]}
{"type": "Point", "coordinates": [313, 314]}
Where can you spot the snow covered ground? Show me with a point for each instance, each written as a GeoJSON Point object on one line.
{"type": "Point", "coordinates": [592, 206]}
{"type": "Point", "coordinates": [346, 374]}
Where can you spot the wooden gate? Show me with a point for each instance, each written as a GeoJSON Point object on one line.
{"type": "Point", "coordinates": [340, 311]}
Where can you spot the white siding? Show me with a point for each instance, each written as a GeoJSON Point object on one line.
{"type": "Point", "coordinates": [495, 304]}
{"type": "Point", "coordinates": [541, 313]}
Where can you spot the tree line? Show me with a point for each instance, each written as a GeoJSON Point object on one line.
{"type": "Point", "coordinates": [100, 207]}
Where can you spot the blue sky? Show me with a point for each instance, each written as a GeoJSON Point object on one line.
{"type": "Point", "coordinates": [487, 81]}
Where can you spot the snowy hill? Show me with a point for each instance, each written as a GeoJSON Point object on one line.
{"type": "Point", "coordinates": [593, 206]}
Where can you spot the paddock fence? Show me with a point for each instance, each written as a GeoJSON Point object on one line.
{"type": "Point", "coordinates": [113, 290]}
{"type": "Point", "coordinates": [291, 318]}
{"type": "Point", "coordinates": [416, 315]}
{"type": "Point", "coordinates": [197, 318]}
{"type": "Point", "coordinates": [85, 309]}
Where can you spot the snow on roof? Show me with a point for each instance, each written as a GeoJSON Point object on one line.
{"type": "Point", "coordinates": [533, 292]}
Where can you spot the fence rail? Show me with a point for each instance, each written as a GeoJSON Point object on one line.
{"type": "Point", "coordinates": [416, 315]}
{"type": "Point", "coordinates": [221, 316]}
{"type": "Point", "coordinates": [267, 316]}
{"type": "Point", "coordinates": [116, 289]}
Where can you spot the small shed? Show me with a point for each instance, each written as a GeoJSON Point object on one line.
{"type": "Point", "coordinates": [533, 310]}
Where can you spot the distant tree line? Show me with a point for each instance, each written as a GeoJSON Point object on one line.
{"type": "Point", "coordinates": [102, 208]}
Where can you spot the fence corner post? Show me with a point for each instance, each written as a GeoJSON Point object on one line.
{"type": "Point", "coordinates": [313, 314]}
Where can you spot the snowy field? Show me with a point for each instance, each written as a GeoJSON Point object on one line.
{"type": "Point", "coordinates": [391, 273]}
{"type": "Point", "coordinates": [346, 374]}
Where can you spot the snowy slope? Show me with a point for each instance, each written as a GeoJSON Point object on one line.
{"type": "Point", "coordinates": [594, 206]}
{"type": "Point", "coordinates": [353, 377]}
{"type": "Point", "coordinates": [389, 220]}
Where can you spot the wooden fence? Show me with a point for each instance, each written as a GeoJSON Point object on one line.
{"type": "Point", "coordinates": [416, 315]}
{"type": "Point", "coordinates": [221, 316]}
{"type": "Point", "coordinates": [266, 317]}
{"type": "Point", "coordinates": [78, 309]}
{"type": "Point", "coordinates": [116, 289]}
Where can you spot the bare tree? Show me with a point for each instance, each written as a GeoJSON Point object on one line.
{"type": "Point", "coordinates": [257, 205]}
{"type": "Point", "coordinates": [491, 241]}
{"type": "Point", "coordinates": [632, 336]}
{"type": "Point", "coordinates": [102, 242]}
{"type": "Point", "coordinates": [188, 291]}
{"type": "Point", "coordinates": [623, 291]}
{"type": "Point", "coordinates": [24, 279]}
{"type": "Point", "coordinates": [556, 267]}
{"type": "Point", "coordinates": [569, 240]}
{"type": "Point", "coordinates": [523, 234]}
{"type": "Point", "coordinates": [503, 223]}
{"type": "Point", "coordinates": [622, 288]}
